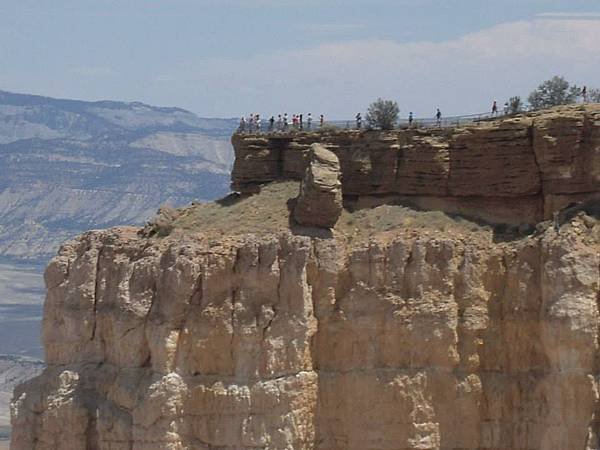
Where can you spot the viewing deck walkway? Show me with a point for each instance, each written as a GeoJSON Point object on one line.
{"type": "Point", "coordinates": [418, 122]}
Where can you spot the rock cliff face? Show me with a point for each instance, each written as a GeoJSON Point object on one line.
{"type": "Point", "coordinates": [517, 170]}
{"type": "Point", "coordinates": [405, 341]}
{"type": "Point", "coordinates": [320, 201]}
{"type": "Point", "coordinates": [383, 333]}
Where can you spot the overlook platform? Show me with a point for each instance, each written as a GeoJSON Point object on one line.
{"type": "Point", "coordinates": [350, 124]}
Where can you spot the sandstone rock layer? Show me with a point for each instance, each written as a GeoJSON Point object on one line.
{"type": "Point", "coordinates": [294, 342]}
{"type": "Point", "coordinates": [320, 201]}
{"type": "Point", "coordinates": [513, 170]}
{"type": "Point", "coordinates": [394, 330]}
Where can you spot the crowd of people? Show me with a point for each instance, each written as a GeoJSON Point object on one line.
{"type": "Point", "coordinates": [254, 123]}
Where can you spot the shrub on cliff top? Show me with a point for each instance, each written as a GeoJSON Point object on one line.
{"type": "Point", "coordinates": [382, 114]}
{"type": "Point", "coordinates": [554, 92]}
{"type": "Point", "coordinates": [594, 95]}
{"type": "Point", "coordinates": [515, 105]}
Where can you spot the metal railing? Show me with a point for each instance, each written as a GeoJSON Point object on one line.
{"type": "Point", "coordinates": [418, 122]}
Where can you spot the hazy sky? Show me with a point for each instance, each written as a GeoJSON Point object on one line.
{"type": "Point", "coordinates": [230, 57]}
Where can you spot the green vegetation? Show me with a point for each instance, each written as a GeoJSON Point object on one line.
{"type": "Point", "coordinates": [383, 114]}
{"type": "Point", "coordinates": [554, 92]}
{"type": "Point", "coordinates": [515, 105]}
{"type": "Point", "coordinates": [593, 95]}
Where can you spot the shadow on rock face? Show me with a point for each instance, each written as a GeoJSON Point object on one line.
{"type": "Point", "coordinates": [302, 230]}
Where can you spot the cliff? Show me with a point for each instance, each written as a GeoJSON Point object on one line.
{"type": "Point", "coordinates": [229, 326]}
{"type": "Point", "coordinates": [515, 170]}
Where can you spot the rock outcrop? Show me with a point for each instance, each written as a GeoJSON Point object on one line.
{"type": "Point", "coordinates": [320, 201]}
{"type": "Point", "coordinates": [291, 342]}
{"type": "Point", "coordinates": [514, 170]}
{"type": "Point", "coordinates": [388, 332]}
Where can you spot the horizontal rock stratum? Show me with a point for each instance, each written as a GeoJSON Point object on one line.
{"type": "Point", "coordinates": [512, 170]}
{"type": "Point", "coordinates": [231, 327]}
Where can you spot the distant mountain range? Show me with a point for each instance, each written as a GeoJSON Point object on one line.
{"type": "Point", "coordinates": [67, 166]}
{"type": "Point", "coordinates": [13, 370]}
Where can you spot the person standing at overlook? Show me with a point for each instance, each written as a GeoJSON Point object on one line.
{"type": "Point", "coordinates": [438, 118]}
{"type": "Point", "coordinates": [358, 121]}
{"type": "Point", "coordinates": [309, 121]}
{"type": "Point", "coordinates": [494, 108]}
{"type": "Point", "coordinates": [285, 121]}
{"type": "Point", "coordinates": [321, 120]}
{"type": "Point", "coordinates": [410, 119]}
{"type": "Point", "coordinates": [243, 124]}
{"type": "Point", "coordinates": [271, 123]}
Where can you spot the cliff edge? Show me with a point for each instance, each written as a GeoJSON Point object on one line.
{"type": "Point", "coordinates": [515, 170]}
{"type": "Point", "coordinates": [230, 326]}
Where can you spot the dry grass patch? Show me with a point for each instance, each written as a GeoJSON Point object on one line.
{"type": "Point", "coordinates": [268, 212]}
{"type": "Point", "coordinates": [262, 213]}
{"type": "Point", "coordinates": [386, 219]}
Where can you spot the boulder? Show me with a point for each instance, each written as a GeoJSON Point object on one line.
{"type": "Point", "coordinates": [320, 201]}
{"type": "Point", "coordinates": [162, 224]}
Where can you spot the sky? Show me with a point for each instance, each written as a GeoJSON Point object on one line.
{"type": "Point", "coordinates": [226, 58]}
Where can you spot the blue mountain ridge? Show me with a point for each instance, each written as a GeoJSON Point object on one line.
{"type": "Point", "coordinates": [69, 165]}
